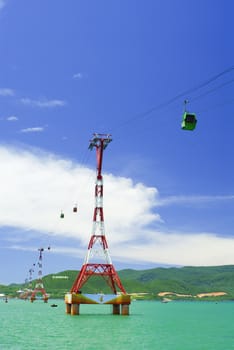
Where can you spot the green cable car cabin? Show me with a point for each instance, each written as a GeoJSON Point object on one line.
{"type": "Point", "coordinates": [189, 121]}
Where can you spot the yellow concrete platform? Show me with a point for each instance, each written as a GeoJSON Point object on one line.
{"type": "Point", "coordinates": [74, 300]}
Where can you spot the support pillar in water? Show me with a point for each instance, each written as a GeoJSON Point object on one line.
{"type": "Point", "coordinates": [75, 309]}
{"type": "Point", "coordinates": [116, 309]}
{"type": "Point", "coordinates": [125, 309]}
{"type": "Point", "coordinates": [68, 308]}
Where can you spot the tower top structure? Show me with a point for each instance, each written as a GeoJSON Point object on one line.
{"type": "Point", "coordinates": [100, 142]}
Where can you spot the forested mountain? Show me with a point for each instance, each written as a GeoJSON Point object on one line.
{"type": "Point", "coordinates": [184, 280]}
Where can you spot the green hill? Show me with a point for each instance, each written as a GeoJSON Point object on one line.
{"type": "Point", "coordinates": [184, 280]}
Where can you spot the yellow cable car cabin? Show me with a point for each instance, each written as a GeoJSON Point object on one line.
{"type": "Point", "coordinates": [189, 121]}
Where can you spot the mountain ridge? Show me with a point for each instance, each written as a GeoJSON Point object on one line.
{"type": "Point", "coordinates": [188, 280]}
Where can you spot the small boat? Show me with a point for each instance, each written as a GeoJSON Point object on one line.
{"type": "Point", "coordinates": [53, 305]}
{"type": "Point", "coordinates": [166, 300]}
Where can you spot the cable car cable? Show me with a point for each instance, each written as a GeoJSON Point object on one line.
{"type": "Point", "coordinates": [175, 98]}
{"type": "Point", "coordinates": [212, 90]}
{"type": "Point", "coordinates": [216, 106]}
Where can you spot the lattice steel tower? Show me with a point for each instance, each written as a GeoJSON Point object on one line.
{"type": "Point", "coordinates": [39, 287]}
{"type": "Point", "coordinates": [98, 261]}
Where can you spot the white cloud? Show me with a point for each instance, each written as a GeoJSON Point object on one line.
{"type": "Point", "coordinates": [6, 91]}
{"type": "Point", "coordinates": [42, 185]}
{"type": "Point", "coordinates": [78, 76]}
{"type": "Point", "coordinates": [2, 4]}
{"type": "Point", "coordinates": [36, 186]}
{"type": "Point", "coordinates": [42, 103]}
{"type": "Point", "coordinates": [176, 248]}
{"type": "Point", "coordinates": [12, 118]}
{"type": "Point", "coordinates": [191, 200]}
{"type": "Point", "coordinates": [70, 251]}
{"type": "Point", "coordinates": [34, 129]}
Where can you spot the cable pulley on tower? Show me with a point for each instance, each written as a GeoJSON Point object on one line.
{"type": "Point", "coordinates": [97, 139]}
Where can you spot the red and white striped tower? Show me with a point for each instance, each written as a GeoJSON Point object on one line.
{"type": "Point", "coordinates": [98, 261]}
{"type": "Point", "coordinates": [39, 287]}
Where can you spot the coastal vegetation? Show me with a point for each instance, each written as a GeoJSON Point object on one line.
{"type": "Point", "coordinates": [185, 283]}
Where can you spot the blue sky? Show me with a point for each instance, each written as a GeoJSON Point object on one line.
{"type": "Point", "coordinates": [72, 68]}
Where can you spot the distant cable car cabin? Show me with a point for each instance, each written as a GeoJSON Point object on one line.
{"type": "Point", "coordinates": [61, 215]}
{"type": "Point", "coordinates": [75, 209]}
{"type": "Point", "coordinates": [189, 121]}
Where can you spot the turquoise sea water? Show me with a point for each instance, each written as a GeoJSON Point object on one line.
{"type": "Point", "coordinates": [150, 325]}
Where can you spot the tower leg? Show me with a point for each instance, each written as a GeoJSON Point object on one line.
{"type": "Point", "coordinates": [68, 308]}
{"type": "Point", "coordinates": [75, 309]}
{"type": "Point", "coordinates": [116, 309]}
{"type": "Point", "coordinates": [125, 309]}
